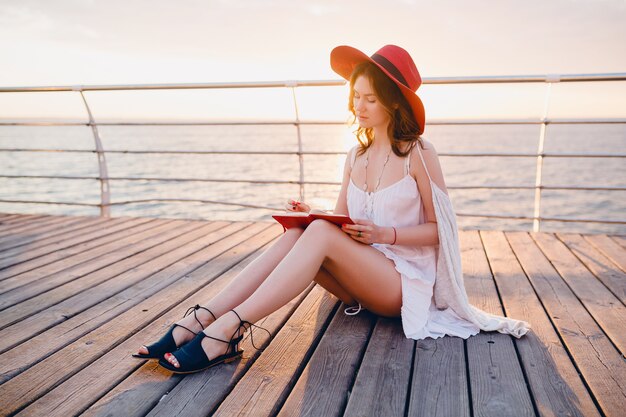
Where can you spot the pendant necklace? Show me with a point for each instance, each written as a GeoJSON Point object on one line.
{"type": "Point", "coordinates": [369, 201]}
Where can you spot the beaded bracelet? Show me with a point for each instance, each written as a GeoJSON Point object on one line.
{"type": "Point", "coordinates": [394, 235]}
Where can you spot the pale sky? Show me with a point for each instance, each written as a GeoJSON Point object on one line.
{"type": "Point", "coordinates": [69, 42]}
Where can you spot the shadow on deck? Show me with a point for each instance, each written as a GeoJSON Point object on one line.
{"type": "Point", "coordinates": [78, 295]}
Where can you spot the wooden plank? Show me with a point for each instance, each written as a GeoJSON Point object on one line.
{"type": "Point", "coordinates": [609, 248]}
{"type": "Point", "coordinates": [34, 229]}
{"type": "Point", "coordinates": [382, 384]}
{"type": "Point", "coordinates": [52, 242]}
{"type": "Point", "coordinates": [77, 295]}
{"type": "Point", "coordinates": [9, 214]}
{"type": "Point", "coordinates": [604, 270]}
{"type": "Point", "coordinates": [497, 382]}
{"type": "Point", "coordinates": [439, 383]}
{"type": "Point", "coordinates": [621, 240]}
{"type": "Point", "coordinates": [34, 223]}
{"type": "Point", "coordinates": [324, 386]}
{"type": "Point", "coordinates": [605, 308]}
{"type": "Point", "coordinates": [596, 359]}
{"type": "Point", "coordinates": [107, 236]}
{"type": "Point", "coordinates": [29, 228]}
{"type": "Point", "coordinates": [45, 380]}
{"type": "Point", "coordinates": [5, 220]}
{"type": "Point", "coordinates": [24, 286]}
{"type": "Point", "coordinates": [553, 379]}
{"type": "Point", "coordinates": [267, 383]}
{"type": "Point", "coordinates": [23, 226]}
{"type": "Point", "coordinates": [20, 222]}
{"type": "Point", "coordinates": [76, 282]}
{"type": "Point", "coordinates": [47, 235]}
{"type": "Point", "coordinates": [22, 219]}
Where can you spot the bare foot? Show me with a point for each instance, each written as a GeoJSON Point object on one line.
{"type": "Point", "coordinates": [181, 335]}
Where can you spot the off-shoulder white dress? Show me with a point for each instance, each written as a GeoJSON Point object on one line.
{"type": "Point", "coordinates": [400, 205]}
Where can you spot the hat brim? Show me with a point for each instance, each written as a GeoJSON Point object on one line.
{"type": "Point", "coordinates": [344, 58]}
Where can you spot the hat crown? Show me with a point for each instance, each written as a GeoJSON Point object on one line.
{"type": "Point", "coordinates": [395, 62]}
{"type": "Point", "coordinates": [399, 64]}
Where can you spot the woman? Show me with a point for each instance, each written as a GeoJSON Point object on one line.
{"type": "Point", "coordinates": [392, 187]}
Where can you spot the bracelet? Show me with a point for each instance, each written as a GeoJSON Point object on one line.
{"type": "Point", "coordinates": [394, 235]}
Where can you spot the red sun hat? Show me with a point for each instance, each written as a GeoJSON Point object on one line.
{"type": "Point", "coordinates": [395, 62]}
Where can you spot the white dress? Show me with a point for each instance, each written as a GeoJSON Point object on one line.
{"type": "Point", "coordinates": [400, 205]}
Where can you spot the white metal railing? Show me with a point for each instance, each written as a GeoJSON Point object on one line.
{"type": "Point", "coordinates": [104, 178]}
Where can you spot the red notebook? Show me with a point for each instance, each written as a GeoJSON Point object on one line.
{"type": "Point", "coordinates": [289, 220]}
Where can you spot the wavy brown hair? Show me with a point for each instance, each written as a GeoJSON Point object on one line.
{"type": "Point", "coordinates": [403, 128]}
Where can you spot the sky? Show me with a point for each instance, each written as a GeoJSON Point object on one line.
{"type": "Point", "coordinates": [72, 42]}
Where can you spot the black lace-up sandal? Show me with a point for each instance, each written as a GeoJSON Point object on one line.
{"type": "Point", "coordinates": [244, 323]}
{"type": "Point", "coordinates": [192, 357]}
{"type": "Point", "coordinates": [167, 342]}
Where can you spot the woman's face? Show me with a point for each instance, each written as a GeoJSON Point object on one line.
{"type": "Point", "coordinates": [368, 108]}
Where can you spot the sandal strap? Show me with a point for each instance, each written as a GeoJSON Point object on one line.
{"type": "Point", "coordinates": [215, 338]}
{"type": "Point", "coordinates": [232, 342]}
{"type": "Point", "coordinates": [180, 325]}
{"type": "Point", "coordinates": [243, 323]}
{"type": "Point", "coordinates": [194, 309]}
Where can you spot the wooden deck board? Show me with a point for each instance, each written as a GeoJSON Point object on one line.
{"type": "Point", "coordinates": [552, 379]}
{"type": "Point", "coordinates": [382, 382]}
{"type": "Point", "coordinates": [598, 264]}
{"type": "Point", "coordinates": [17, 221]}
{"type": "Point", "coordinates": [323, 386]}
{"type": "Point", "coordinates": [497, 382]}
{"type": "Point", "coordinates": [610, 248]}
{"type": "Point", "coordinates": [78, 295]}
{"type": "Point", "coordinates": [34, 229]}
{"type": "Point", "coordinates": [77, 266]}
{"type": "Point", "coordinates": [597, 299]}
{"type": "Point", "coordinates": [596, 359]}
{"type": "Point", "coordinates": [621, 240]}
{"type": "Point", "coordinates": [34, 268]}
{"type": "Point", "coordinates": [32, 246]}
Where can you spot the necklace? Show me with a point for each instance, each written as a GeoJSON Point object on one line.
{"type": "Point", "coordinates": [369, 201]}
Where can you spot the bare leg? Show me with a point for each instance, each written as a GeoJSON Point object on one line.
{"type": "Point", "coordinates": [360, 269]}
{"type": "Point", "coordinates": [246, 283]}
{"type": "Point", "coordinates": [253, 275]}
{"type": "Point", "coordinates": [330, 283]}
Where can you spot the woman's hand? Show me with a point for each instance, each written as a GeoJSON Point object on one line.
{"type": "Point", "coordinates": [293, 205]}
{"type": "Point", "coordinates": [370, 233]}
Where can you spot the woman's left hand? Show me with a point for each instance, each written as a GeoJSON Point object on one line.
{"type": "Point", "coordinates": [370, 233]}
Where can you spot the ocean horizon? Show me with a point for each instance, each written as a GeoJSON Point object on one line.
{"type": "Point", "coordinates": [458, 171]}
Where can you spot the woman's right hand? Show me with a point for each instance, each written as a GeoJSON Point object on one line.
{"type": "Point", "coordinates": [293, 205]}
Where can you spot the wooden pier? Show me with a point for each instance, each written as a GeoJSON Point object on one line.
{"type": "Point", "coordinates": [78, 295]}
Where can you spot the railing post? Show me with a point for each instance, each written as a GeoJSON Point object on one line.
{"type": "Point", "coordinates": [293, 86]}
{"type": "Point", "coordinates": [540, 149]}
{"type": "Point", "coordinates": [105, 199]}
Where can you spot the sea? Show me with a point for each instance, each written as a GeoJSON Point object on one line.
{"type": "Point", "coordinates": [608, 205]}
